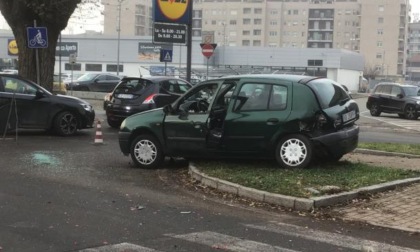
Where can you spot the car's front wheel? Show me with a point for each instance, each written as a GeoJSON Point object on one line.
{"type": "Point", "coordinates": [146, 152]}
{"type": "Point", "coordinates": [294, 151]}
{"type": "Point", "coordinates": [410, 112]}
{"type": "Point", "coordinates": [65, 123]}
{"type": "Point", "coordinates": [374, 109]}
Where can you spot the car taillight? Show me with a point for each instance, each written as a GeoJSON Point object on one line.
{"type": "Point", "coordinates": [149, 99]}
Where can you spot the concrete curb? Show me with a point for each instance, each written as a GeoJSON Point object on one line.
{"type": "Point", "coordinates": [296, 203]}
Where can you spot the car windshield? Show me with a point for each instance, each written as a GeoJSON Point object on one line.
{"type": "Point", "coordinates": [411, 91]}
{"type": "Point", "coordinates": [132, 85]}
{"type": "Point", "coordinates": [86, 77]}
{"type": "Point", "coordinates": [329, 93]}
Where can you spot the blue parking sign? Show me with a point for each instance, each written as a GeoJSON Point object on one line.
{"type": "Point", "coordinates": [37, 37]}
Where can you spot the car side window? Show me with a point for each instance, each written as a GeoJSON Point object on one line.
{"type": "Point", "coordinates": [13, 85]}
{"type": "Point", "coordinates": [278, 99]}
{"type": "Point", "coordinates": [253, 96]}
{"type": "Point", "coordinates": [109, 77]}
{"type": "Point", "coordinates": [198, 101]}
{"type": "Point", "coordinates": [395, 90]}
{"type": "Point", "coordinates": [386, 90]}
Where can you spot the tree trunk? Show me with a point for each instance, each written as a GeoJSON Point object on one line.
{"type": "Point", "coordinates": [53, 15]}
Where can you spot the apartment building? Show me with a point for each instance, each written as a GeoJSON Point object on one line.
{"type": "Point", "coordinates": [413, 62]}
{"type": "Point", "coordinates": [378, 29]}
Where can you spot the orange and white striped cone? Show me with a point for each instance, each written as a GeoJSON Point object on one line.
{"type": "Point", "coordinates": [98, 135]}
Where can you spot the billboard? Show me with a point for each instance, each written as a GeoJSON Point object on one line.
{"type": "Point", "coordinates": [67, 48]}
{"type": "Point", "coordinates": [151, 52]}
{"type": "Point", "coordinates": [172, 11]}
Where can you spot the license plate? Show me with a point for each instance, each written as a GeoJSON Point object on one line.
{"type": "Point", "coordinates": [349, 116]}
{"type": "Point", "coordinates": [125, 96]}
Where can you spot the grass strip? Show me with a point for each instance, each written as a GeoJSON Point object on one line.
{"type": "Point", "coordinates": [267, 176]}
{"type": "Point", "coordinates": [392, 147]}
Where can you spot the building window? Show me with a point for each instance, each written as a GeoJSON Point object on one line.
{"type": "Point", "coordinates": [295, 12]}
{"type": "Point", "coordinates": [234, 12]}
{"type": "Point", "coordinates": [257, 11]}
{"type": "Point", "coordinates": [75, 67]}
{"type": "Point", "coordinates": [246, 33]}
{"type": "Point", "coordinates": [379, 44]}
{"type": "Point", "coordinates": [232, 22]}
{"type": "Point", "coordinates": [273, 22]}
{"type": "Point", "coordinates": [257, 21]}
{"type": "Point", "coordinates": [245, 42]}
{"type": "Point", "coordinates": [94, 67]}
{"type": "Point", "coordinates": [381, 8]}
{"type": "Point", "coordinates": [213, 22]}
{"type": "Point", "coordinates": [380, 31]}
{"type": "Point", "coordinates": [256, 43]}
{"type": "Point", "coordinates": [246, 21]}
{"type": "Point", "coordinates": [273, 33]}
{"type": "Point", "coordinates": [380, 20]}
{"type": "Point", "coordinates": [315, 63]}
{"type": "Point", "coordinates": [247, 11]}
{"type": "Point", "coordinates": [113, 68]}
{"type": "Point", "coordinates": [257, 32]}
{"type": "Point", "coordinates": [274, 12]}
{"type": "Point", "coordinates": [379, 55]}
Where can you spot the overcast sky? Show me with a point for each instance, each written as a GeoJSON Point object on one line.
{"type": "Point", "coordinates": [415, 6]}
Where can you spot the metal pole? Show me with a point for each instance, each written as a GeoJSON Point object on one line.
{"type": "Point", "coordinates": [59, 63]}
{"type": "Point", "coordinates": [119, 31]}
{"type": "Point", "coordinates": [207, 75]}
{"type": "Point", "coordinates": [189, 41]}
{"type": "Point", "coordinates": [38, 77]}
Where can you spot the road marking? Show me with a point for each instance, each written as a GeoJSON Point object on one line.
{"type": "Point", "coordinates": [330, 238]}
{"type": "Point", "coordinates": [228, 243]}
{"type": "Point", "coordinates": [403, 123]}
{"type": "Point", "coordinates": [119, 248]}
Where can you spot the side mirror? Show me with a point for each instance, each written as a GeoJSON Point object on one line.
{"type": "Point", "coordinates": [168, 109]}
{"type": "Point", "coordinates": [39, 94]}
{"type": "Point", "coordinates": [183, 115]}
{"type": "Point", "coordinates": [400, 96]}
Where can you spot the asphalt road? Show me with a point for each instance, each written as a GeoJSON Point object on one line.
{"type": "Point", "coordinates": [68, 194]}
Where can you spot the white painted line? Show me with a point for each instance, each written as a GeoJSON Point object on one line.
{"type": "Point", "coordinates": [119, 248]}
{"type": "Point", "coordinates": [228, 243]}
{"type": "Point", "coordinates": [330, 238]}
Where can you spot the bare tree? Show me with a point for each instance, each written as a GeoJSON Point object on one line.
{"type": "Point", "coordinates": [370, 71]}
{"type": "Point", "coordinates": [52, 14]}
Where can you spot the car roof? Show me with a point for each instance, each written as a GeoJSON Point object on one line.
{"type": "Point", "coordinates": [288, 77]}
{"type": "Point", "coordinates": [396, 84]}
{"type": "Point", "coordinates": [153, 78]}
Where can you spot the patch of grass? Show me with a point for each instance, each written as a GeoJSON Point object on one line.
{"type": "Point", "coordinates": [392, 147]}
{"type": "Point", "coordinates": [267, 176]}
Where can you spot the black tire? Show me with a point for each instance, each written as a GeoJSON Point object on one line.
{"type": "Point", "coordinates": [65, 123]}
{"type": "Point", "coordinates": [114, 124]}
{"type": "Point", "coordinates": [146, 152]}
{"type": "Point", "coordinates": [410, 112]}
{"type": "Point", "coordinates": [375, 110]}
{"type": "Point", "coordinates": [294, 151]}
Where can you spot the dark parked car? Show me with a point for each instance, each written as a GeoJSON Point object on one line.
{"type": "Point", "coordinates": [287, 117]}
{"type": "Point", "coordinates": [133, 95]}
{"type": "Point", "coordinates": [24, 104]}
{"type": "Point", "coordinates": [395, 98]}
{"type": "Point", "coordinates": [97, 82]}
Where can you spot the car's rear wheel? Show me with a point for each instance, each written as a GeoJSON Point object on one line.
{"type": "Point", "coordinates": [374, 109]}
{"type": "Point", "coordinates": [114, 124]}
{"type": "Point", "coordinates": [294, 151]}
{"type": "Point", "coordinates": [65, 123]}
{"type": "Point", "coordinates": [410, 112]}
{"type": "Point", "coordinates": [146, 152]}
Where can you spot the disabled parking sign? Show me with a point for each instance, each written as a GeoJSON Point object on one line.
{"type": "Point", "coordinates": [37, 37]}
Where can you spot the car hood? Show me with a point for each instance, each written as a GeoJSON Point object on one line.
{"type": "Point", "coordinates": [70, 99]}
{"type": "Point", "coordinates": [149, 118]}
{"type": "Point", "coordinates": [414, 98]}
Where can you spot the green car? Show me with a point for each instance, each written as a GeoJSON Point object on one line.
{"type": "Point", "coordinates": [291, 118]}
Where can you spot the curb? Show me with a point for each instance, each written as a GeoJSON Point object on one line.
{"type": "Point", "coordinates": [296, 203]}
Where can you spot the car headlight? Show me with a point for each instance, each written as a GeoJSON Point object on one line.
{"type": "Point", "coordinates": [122, 124]}
{"type": "Point", "coordinates": [418, 102]}
{"type": "Point", "coordinates": [87, 107]}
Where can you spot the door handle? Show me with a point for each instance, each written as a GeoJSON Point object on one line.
{"type": "Point", "coordinates": [272, 121]}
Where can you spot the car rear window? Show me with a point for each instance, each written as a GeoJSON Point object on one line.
{"type": "Point", "coordinates": [329, 93]}
{"type": "Point", "coordinates": [132, 86]}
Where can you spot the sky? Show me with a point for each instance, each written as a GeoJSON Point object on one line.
{"type": "Point", "coordinates": [415, 7]}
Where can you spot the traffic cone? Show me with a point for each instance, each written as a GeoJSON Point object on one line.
{"type": "Point", "coordinates": [98, 134]}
